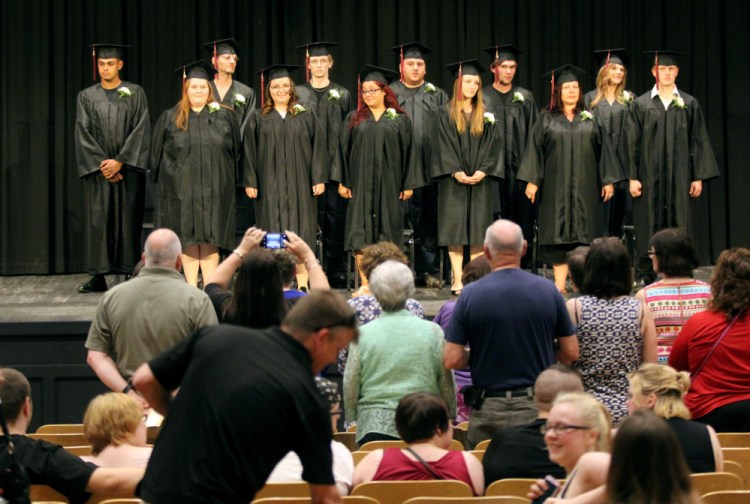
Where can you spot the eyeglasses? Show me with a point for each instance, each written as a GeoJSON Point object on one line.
{"type": "Point", "coordinates": [337, 413]}
{"type": "Point", "coordinates": [366, 92]}
{"type": "Point", "coordinates": [561, 429]}
{"type": "Point", "coordinates": [285, 87]}
{"type": "Point", "coordinates": [229, 57]}
{"type": "Point", "coordinates": [651, 253]}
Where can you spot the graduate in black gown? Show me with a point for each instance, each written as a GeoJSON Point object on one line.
{"type": "Point", "coordinates": [195, 161]}
{"type": "Point", "coordinates": [285, 156]}
{"type": "Point", "coordinates": [516, 112]}
{"type": "Point", "coordinates": [377, 169]}
{"type": "Point", "coordinates": [112, 139]}
{"type": "Point", "coordinates": [570, 169]}
{"type": "Point", "coordinates": [235, 95]}
{"type": "Point", "coordinates": [610, 102]}
{"type": "Point", "coordinates": [669, 157]}
{"type": "Point", "coordinates": [421, 100]}
{"type": "Point", "coordinates": [465, 164]}
{"type": "Point", "coordinates": [331, 103]}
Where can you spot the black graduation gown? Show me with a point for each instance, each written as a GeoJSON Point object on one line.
{"type": "Point", "coordinates": [667, 150]}
{"type": "Point", "coordinates": [285, 157]}
{"type": "Point", "coordinates": [570, 162]}
{"type": "Point", "coordinates": [464, 211]}
{"type": "Point", "coordinates": [119, 130]}
{"type": "Point", "coordinates": [377, 163]}
{"type": "Point", "coordinates": [231, 100]}
{"type": "Point", "coordinates": [196, 172]}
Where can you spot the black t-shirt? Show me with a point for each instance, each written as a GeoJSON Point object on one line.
{"type": "Point", "coordinates": [49, 464]}
{"type": "Point", "coordinates": [219, 297]}
{"type": "Point", "coordinates": [519, 452]}
{"type": "Point", "coordinates": [246, 398]}
{"type": "Point", "coordinates": [696, 443]}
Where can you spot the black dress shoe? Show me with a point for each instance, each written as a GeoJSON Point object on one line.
{"type": "Point", "coordinates": [96, 284]}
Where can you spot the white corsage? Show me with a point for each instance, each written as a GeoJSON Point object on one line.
{"type": "Point", "coordinates": [627, 96]}
{"type": "Point", "coordinates": [391, 113]}
{"type": "Point", "coordinates": [297, 109]}
{"type": "Point", "coordinates": [489, 118]}
{"type": "Point", "coordinates": [678, 102]}
{"type": "Point", "coordinates": [333, 94]}
{"type": "Point", "coordinates": [124, 92]}
{"type": "Point", "coordinates": [518, 97]}
{"type": "Point", "coordinates": [213, 107]}
{"type": "Point", "coordinates": [239, 100]}
{"type": "Point", "coordinates": [586, 116]}
{"type": "Point", "coordinates": [430, 88]}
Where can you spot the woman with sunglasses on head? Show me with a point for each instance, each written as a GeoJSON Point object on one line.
{"type": "Point", "coordinates": [465, 153]}
{"type": "Point", "coordinates": [377, 170]}
{"type": "Point", "coordinates": [285, 156]}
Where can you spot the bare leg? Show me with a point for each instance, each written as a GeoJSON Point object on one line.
{"type": "Point", "coordinates": [475, 251]}
{"type": "Point", "coordinates": [191, 264]}
{"type": "Point", "coordinates": [358, 262]}
{"type": "Point", "coordinates": [561, 275]}
{"type": "Point", "coordinates": [302, 277]}
{"type": "Point", "coordinates": [209, 259]}
{"type": "Point", "coordinates": [456, 256]}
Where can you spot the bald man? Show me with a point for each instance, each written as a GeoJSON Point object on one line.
{"type": "Point", "coordinates": [139, 319]}
{"type": "Point", "coordinates": [520, 452]}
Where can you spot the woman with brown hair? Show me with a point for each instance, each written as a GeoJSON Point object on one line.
{"type": "Point", "coordinates": [378, 170]}
{"type": "Point", "coordinates": [714, 346]}
{"type": "Point", "coordinates": [194, 156]}
{"type": "Point", "coordinates": [465, 153]}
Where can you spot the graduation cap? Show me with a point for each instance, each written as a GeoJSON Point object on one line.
{"type": "Point", "coordinates": [666, 58]}
{"type": "Point", "coordinates": [465, 67]}
{"type": "Point", "coordinates": [275, 71]}
{"type": "Point", "coordinates": [410, 50]}
{"type": "Point", "coordinates": [105, 51]}
{"type": "Point", "coordinates": [561, 75]}
{"type": "Point", "coordinates": [222, 46]}
{"type": "Point", "coordinates": [199, 69]}
{"type": "Point", "coordinates": [502, 53]}
{"type": "Point", "coordinates": [606, 56]}
{"type": "Point", "coordinates": [376, 74]}
{"type": "Point", "coordinates": [315, 49]}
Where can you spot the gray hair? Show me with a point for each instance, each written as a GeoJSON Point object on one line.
{"type": "Point", "coordinates": [162, 248]}
{"type": "Point", "coordinates": [392, 283]}
{"type": "Point", "coordinates": [504, 237]}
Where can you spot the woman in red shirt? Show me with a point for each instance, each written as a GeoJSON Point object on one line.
{"type": "Point", "coordinates": [715, 347]}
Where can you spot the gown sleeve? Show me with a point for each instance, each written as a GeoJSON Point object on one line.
{"type": "Point", "coordinates": [532, 164]}
{"type": "Point", "coordinates": [135, 151]}
{"type": "Point", "coordinates": [157, 144]}
{"type": "Point", "coordinates": [88, 152]}
{"type": "Point", "coordinates": [413, 176]}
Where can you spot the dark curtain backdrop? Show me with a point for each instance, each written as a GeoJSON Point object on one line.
{"type": "Point", "coordinates": [45, 62]}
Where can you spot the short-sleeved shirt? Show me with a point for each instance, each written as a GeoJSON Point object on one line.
{"type": "Point", "coordinates": [49, 464]}
{"type": "Point", "coordinates": [510, 319]}
{"type": "Point", "coordinates": [147, 315]}
{"type": "Point", "coordinates": [246, 398]}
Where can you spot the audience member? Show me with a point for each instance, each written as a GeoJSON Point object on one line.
{"type": "Point", "coordinates": [139, 319]}
{"type": "Point", "coordinates": [648, 464]}
{"type": "Point", "coordinates": [49, 464]}
{"type": "Point", "coordinates": [577, 434]}
{"type": "Point", "coordinates": [363, 302]}
{"type": "Point", "coordinates": [423, 421]}
{"type": "Point", "coordinates": [476, 269]}
{"type": "Point", "coordinates": [615, 331]}
{"type": "Point", "coordinates": [576, 258]}
{"type": "Point", "coordinates": [397, 354]}
{"type": "Point", "coordinates": [258, 300]}
{"type": "Point", "coordinates": [289, 469]}
{"type": "Point", "coordinates": [246, 398]}
{"type": "Point", "coordinates": [677, 296]}
{"type": "Point", "coordinates": [287, 264]}
{"type": "Point", "coordinates": [660, 388]}
{"type": "Point", "coordinates": [714, 346]}
{"type": "Point", "coordinates": [520, 452]}
{"type": "Point", "coordinates": [510, 319]}
{"type": "Point", "coordinates": [115, 427]}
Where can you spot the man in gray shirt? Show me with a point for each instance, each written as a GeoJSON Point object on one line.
{"type": "Point", "coordinates": [137, 320]}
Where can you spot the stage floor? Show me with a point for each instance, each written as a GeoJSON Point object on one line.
{"type": "Point", "coordinates": [54, 298]}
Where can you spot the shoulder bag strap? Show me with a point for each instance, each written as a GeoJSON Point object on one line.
{"type": "Point", "coordinates": [710, 352]}
{"type": "Point", "coordinates": [425, 464]}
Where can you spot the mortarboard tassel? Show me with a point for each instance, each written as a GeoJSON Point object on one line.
{"type": "Point", "coordinates": [262, 91]}
{"type": "Point", "coordinates": [552, 91]}
{"type": "Point", "coordinates": [496, 70]}
{"type": "Point", "coordinates": [656, 64]}
{"type": "Point", "coordinates": [93, 63]}
{"type": "Point", "coordinates": [459, 90]}
{"type": "Point", "coordinates": [359, 94]}
{"type": "Point", "coordinates": [401, 65]}
{"type": "Point", "coordinates": [184, 76]}
{"type": "Point", "coordinates": [606, 63]}
{"type": "Point", "coordinates": [307, 63]}
{"type": "Point", "coordinates": [216, 62]}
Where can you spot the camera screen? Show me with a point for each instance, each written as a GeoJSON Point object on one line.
{"type": "Point", "coordinates": [274, 241]}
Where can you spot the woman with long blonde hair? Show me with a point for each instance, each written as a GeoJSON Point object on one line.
{"type": "Point", "coordinates": [194, 157]}
{"type": "Point", "coordinates": [465, 153]}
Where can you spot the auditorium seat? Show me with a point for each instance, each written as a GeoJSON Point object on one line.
{"type": "Point", "coordinates": [398, 492]}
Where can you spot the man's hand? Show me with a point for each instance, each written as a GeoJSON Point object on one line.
{"type": "Point", "coordinates": [462, 178]}
{"type": "Point", "coordinates": [477, 177]}
{"type": "Point", "coordinates": [530, 191]}
{"type": "Point", "coordinates": [636, 188]}
{"type": "Point", "coordinates": [110, 168]}
{"type": "Point", "coordinates": [608, 191]}
{"type": "Point", "coordinates": [696, 188]}
{"type": "Point", "coordinates": [318, 189]}
{"type": "Point", "coordinates": [251, 192]}
{"type": "Point", "coordinates": [345, 192]}
{"type": "Point", "coordinates": [405, 195]}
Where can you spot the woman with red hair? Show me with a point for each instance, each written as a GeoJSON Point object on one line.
{"type": "Point", "coordinates": [378, 169]}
